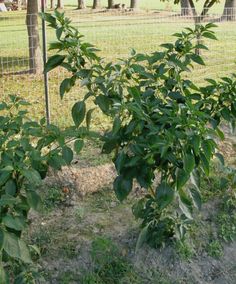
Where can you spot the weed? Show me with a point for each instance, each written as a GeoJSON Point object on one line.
{"type": "Point", "coordinates": [214, 185]}
{"type": "Point", "coordinates": [91, 278]}
{"type": "Point", "coordinates": [69, 249]}
{"type": "Point", "coordinates": [215, 249]}
{"type": "Point", "coordinates": [155, 276]}
{"type": "Point", "coordinates": [184, 250]}
{"type": "Point", "coordinates": [226, 218]}
{"type": "Point", "coordinates": [103, 200]}
{"type": "Point", "coordinates": [79, 213]}
{"type": "Point", "coordinates": [108, 264]}
{"type": "Point", "coordinates": [227, 226]}
{"type": "Point", "coordinates": [53, 197]}
{"type": "Point", "coordinates": [67, 277]}
{"type": "Point", "coordinates": [42, 238]}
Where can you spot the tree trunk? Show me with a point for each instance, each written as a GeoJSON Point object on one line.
{"type": "Point", "coordinates": [52, 4]}
{"type": "Point", "coordinates": [35, 56]}
{"type": "Point", "coordinates": [111, 4]}
{"type": "Point", "coordinates": [96, 4]}
{"type": "Point", "coordinates": [229, 13]}
{"type": "Point", "coordinates": [19, 4]}
{"type": "Point", "coordinates": [60, 4]}
{"type": "Point", "coordinates": [81, 4]}
{"type": "Point", "coordinates": [134, 4]}
{"type": "Point", "coordinates": [185, 8]}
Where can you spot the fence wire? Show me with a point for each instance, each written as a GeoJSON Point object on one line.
{"type": "Point", "coordinates": [114, 33]}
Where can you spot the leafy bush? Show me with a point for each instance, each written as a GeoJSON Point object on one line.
{"type": "Point", "coordinates": [163, 124]}
{"type": "Point", "coordinates": [27, 150]}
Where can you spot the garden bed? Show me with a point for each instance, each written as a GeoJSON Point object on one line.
{"type": "Point", "coordinates": [72, 225]}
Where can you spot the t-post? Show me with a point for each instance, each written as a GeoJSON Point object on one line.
{"type": "Point", "coordinates": [46, 89]}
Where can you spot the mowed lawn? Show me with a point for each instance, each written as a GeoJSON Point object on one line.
{"type": "Point", "coordinates": [115, 35]}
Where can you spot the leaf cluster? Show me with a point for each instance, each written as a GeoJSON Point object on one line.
{"type": "Point", "coordinates": [27, 150]}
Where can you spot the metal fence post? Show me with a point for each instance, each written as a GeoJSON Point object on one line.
{"type": "Point", "coordinates": [46, 89]}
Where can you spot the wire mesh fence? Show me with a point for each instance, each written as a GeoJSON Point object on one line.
{"type": "Point", "coordinates": [114, 33]}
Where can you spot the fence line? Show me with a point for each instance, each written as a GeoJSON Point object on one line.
{"type": "Point", "coordinates": [115, 34]}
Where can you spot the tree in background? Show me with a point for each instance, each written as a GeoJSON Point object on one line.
{"type": "Point", "coordinates": [51, 4]}
{"type": "Point", "coordinates": [185, 8]}
{"type": "Point", "coordinates": [96, 4]}
{"type": "Point", "coordinates": [111, 4]}
{"type": "Point", "coordinates": [198, 17]}
{"type": "Point", "coordinates": [81, 4]}
{"type": "Point", "coordinates": [35, 56]}
{"type": "Point", "coordinates": [188, 7]}
{"type": "Point", "coordinates": [60, 4]}
{"type": "Point", "coordinates": [134, 4]}
{"type": "Point", "coordinates": [20, 4]}
{"type": "Point", "coordinates": [229, 13]}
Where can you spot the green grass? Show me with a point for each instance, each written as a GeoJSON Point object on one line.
{"type": "Point", "coordinates": [114, 35]}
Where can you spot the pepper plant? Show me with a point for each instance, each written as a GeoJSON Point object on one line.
{"type": "Point", "coordinates": [27, 150]}
{"type": "Point", "coordinates": [164, 125]}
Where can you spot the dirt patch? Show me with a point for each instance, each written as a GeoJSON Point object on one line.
{"type": "Point", "coordinates": [83, 180]}
{"type": "Point", "coordinates": [71, 233]}
{"type": "Point", "coordinates": [228, 146]}
{"type": "Point", "coordinates": [200, 270]}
